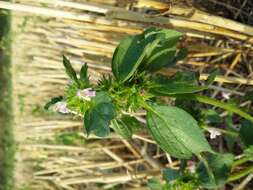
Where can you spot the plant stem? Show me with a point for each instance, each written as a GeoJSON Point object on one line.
{"type": "Point", "coordinates": [208, 169]}
{"type": "Point", "coordinates": [211, 101]}
{"type": "Point", "coordinates": [241, 174]}
{"type": "Point", "coordinates": [240, 162]}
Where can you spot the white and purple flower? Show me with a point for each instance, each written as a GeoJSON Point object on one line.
{"type": "Point", "coordinates": [86, 94]}
{"type": "Point", "coordinates": [61, 107]}
{"type": "Point", "coordinates": [213, 132]}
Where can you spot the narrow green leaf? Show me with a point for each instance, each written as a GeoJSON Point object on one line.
{"type": "Point", "coordinates": [53, 101]}
{"type": "Point", "coordinates": [212, 77]}
{"type": "Point", "coordinates": [120, 128]}
{"type": "Point", "coordinates": [211, 101]}
{"type": "Point", "coordinates": [84, 78]}
{"type": "Point", "coordinates": [220, 165]}
{"type": "Point", "coordinates": [69, 70]}
{"type": "Point", "coordinates": [173, 134]}
{"type": "Point", "coordinates": [84, 72]}
{"type": "Point", "coordinates": [180, 83]}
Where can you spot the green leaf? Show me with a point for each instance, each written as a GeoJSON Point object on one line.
{"type": "Point", "coordinates": [154, 184]}
{"type": "Point", "coordinates": [192, 107]}
{"type": "Point", "coordinates": [212, 77]}
{"type": "Point", "coordinates": [126, 126]}
{"type": "Point", "coordinates": [180, 83]}
{"type": "Point", "coordinates": [84, 72]}
{"type": "Point", "coordinates": [248, 152]}
{"type": "Point", "coordinates": [230, 140]}
{"type": "Point", "coordinates": [53, 101]}
{"type": "Point", "coordinates": [173, 134]}
{"type": "Point", "coordinates": [246, 133]}
{"type": "Point", "coordinates": [182, 54]}
{"type": "Point", "coordinates": [220, 165]}
{"type": "Point", "coordinates": [248, 96]}
{"type": "Point", "coordinates": [151, 50]}
{"type": "Point", "coordinates": [170, 174]}
{"type": "Point", "coordinates": [161, 48]}
{"type": "Point", "coordinates": [98, 119]}
{"type": "Point", "coordinates": [214, 102]}
{"type": "Point", "coordinates": [127, 57]}
{"type": "Point", "coordinates": [84, 78]}
{"type": "Point", "coordinates": [211, 116]}
{"type": "Point", "coordinates": [69, 70]}
{"type": "Point", "coordinates": [101, 97]}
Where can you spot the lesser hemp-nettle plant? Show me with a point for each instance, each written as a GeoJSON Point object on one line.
{"type": "Point", "coordinates": [175, 122]}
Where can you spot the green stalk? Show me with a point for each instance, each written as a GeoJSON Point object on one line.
{"type": "Point", "coordinates": [213, 102]}
{"type": "Point", "coordinates": [240, 162]}
{"type": "Point", "coordinates": [240, 174]}
{"type": "Point", "coordinates": [208, 169]}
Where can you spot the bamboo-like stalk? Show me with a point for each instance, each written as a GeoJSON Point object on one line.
{"type": "Point", "coordinates": [112, 178]}
{"type": "Point", "coordinates": [197, 15]}
{"type": "Point", "coordinates": [135, 17]}
{"type": "Point", "coordinates": [88, 36]}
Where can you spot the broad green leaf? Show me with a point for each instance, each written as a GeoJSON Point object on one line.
{"type": "Point", "coordinates": [161, 52]}
{"type": "Point", "coordinates": [170, 174]}
{"type": "Point", "coordinates": [220, 165]}
{"type": "Point", "coordinates": [98, 119]}
{"type": "Point", "coordinates": [150, 50]}
{"type": "Point", "coordinates": [180, 83]}
{"type": "Point", "coordinates": [126, 126]}
{"type": "Point", "coordinates": [246, 133]}
{"type": "Point", "coordinates": [52, 102]}
{"type": "Point", "coordinates": [69, 70]}
{"type": "Point", "coordinates": [127, 57]}
{"type": "Point", "coordinates": [176, 131]}
{"type": "Point", "coordinates": [101, 97]}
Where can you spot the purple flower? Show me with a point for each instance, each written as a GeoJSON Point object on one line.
{"type": "Point", "coordinates": [61, 107]}
{"type": "Point", "coordinates": [213, 132]}
{"type": "Point", "coordinates": [86, 94]}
